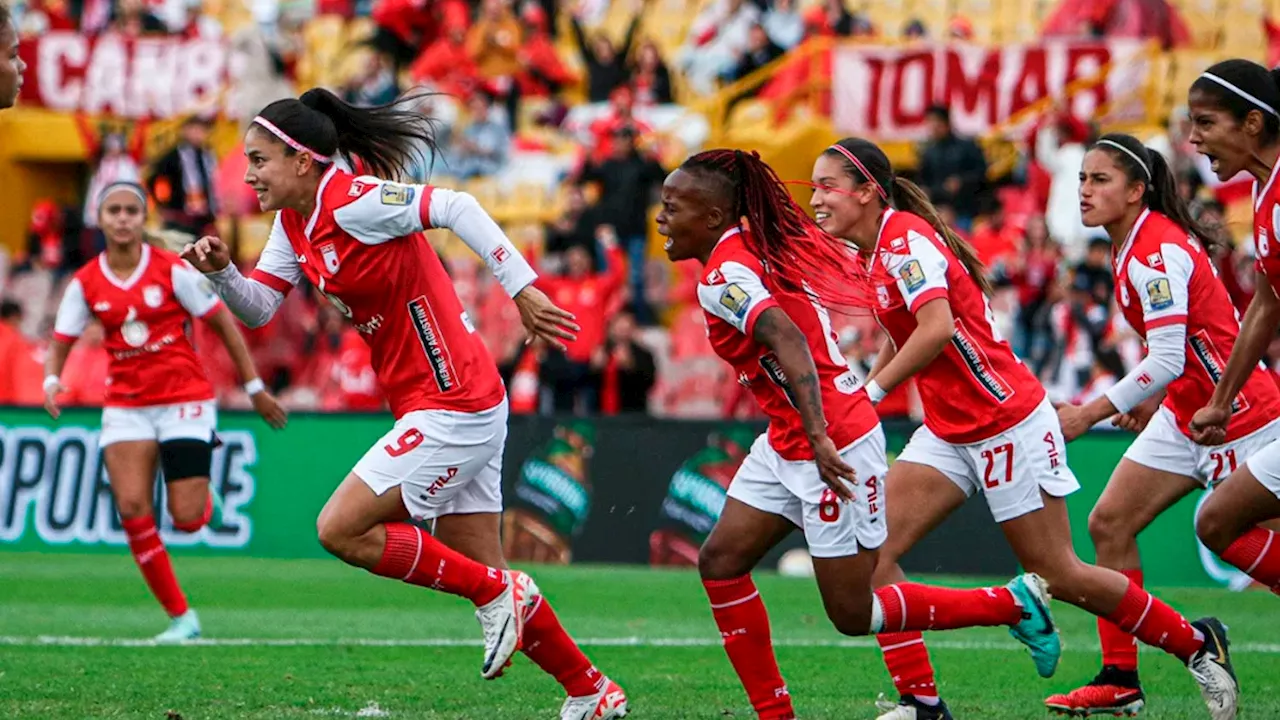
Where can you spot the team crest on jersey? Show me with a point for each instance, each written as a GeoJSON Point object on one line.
{"type": "Point", "coordinates": [101, 306]}
{"type": "Point", "coordinates": [882, 293]}
{"type": "Point", "coordinates": [1154, 260]}
{"type": "Point", "coordinates": [912, 275]}
{"type": "Point", "coordinates": [735, 299]}
{"type": "Point", "coordinates": [1159, 294]}
{"type": "Point", "coordinates": [715, 277]}
{"type": "Point", "coordinates": [396, 194]}
{"type": "Point", "coordinates": [153, 296]}
{"type": "Point", "coordinates": [134, 331]}
{"type": "Point", "coordinates": [330, 255]}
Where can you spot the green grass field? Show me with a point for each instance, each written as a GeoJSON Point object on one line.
{"type": "Point", "coordinates": [311, 639]}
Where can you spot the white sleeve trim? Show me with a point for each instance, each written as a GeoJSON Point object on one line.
{"type": "Point", "coordinates": [193, 290]}
{"type": "Point", "coordinates": [251, 301]}
{"type": "Point", "coordinates": [738, 299]}
{"type": "Point", "coordinates": [73, 311]}
{"type": "Point", "coordinates": [461, 213]}
{"type": "Point", "coordinates": [1166, 357]}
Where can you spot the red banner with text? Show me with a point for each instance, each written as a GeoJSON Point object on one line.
{"type": "Point", "coordinates": [153, 77]}
{"type": "Point", "coordinates": [883, 92]}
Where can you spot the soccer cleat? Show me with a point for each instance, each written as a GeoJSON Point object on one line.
{"type": "Point", "coordinates": [182, 628]}
{"type": "Point", "coordinates": [1113, 692]}
{"type": "Point", "coordinates": [1036, 629]}
{"type": "Point", "coordinates": [909, 708]}
{"type": "Point", "coordinates": [502, 620]}
{"type": "Point", "coordinates": [610, 702]}
{"type": "Point", "coordinates": [1211, 667]}
{"type": "Point", "coordinates": [215, 517]}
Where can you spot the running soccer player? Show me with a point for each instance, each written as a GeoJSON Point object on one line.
{"type": "Point", "coordinates": [359, 241]}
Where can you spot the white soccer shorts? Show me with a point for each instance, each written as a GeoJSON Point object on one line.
{"type": "Point", "coordinates": [794, 490]}
{"type": "Point", "coordinates": [1010, 469]}
{"type": "Point", "coordinates": [1162, 446]}
{"type": "Point", "coordinates": [444, 462]}
{"type": "Point", "coordinates": [180, 421]}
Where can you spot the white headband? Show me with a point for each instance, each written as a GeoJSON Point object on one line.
{"type": "Point", "coordinates": [1131, 154]}
{"type": "Point", "coordinates": [133, 188]}
{"type": "Point", "coordinates": [1237, 90]}
{"type": "Point", "coordinates": [284, 137]}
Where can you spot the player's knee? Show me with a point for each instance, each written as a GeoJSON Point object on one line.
{"type": "Point", "coordinates": [851, 616]}
{"type": "Point", "coordinates": [1215, 529]}
{"type": "Point", "coordinates": [333, 537]}
{"type": "Point", "coordinates": [188, 521]}
{"type": "Point", "coordinates": [1108, 528]}
{"type": "Point", "coordinates": [717, 561]}
{"type": "Point", "coordinates": [132, 507]}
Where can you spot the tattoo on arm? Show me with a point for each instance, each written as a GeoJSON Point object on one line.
{"type": "Point", "coordinates": [776, 331]}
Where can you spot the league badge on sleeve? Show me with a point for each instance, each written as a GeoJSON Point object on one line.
{"type": "Point", "coordinates": [735, 299]}
{"type": "Point", "coordinates": [912, 275]}
{"type": "Point", "coordinates": [1159, 294]}
{"type": "Point", "coordinates": [396, 194]}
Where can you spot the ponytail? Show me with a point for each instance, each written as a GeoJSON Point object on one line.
{"type": "Point", "coordinates": [908, 197]}
{"type": "Point", "coordinates": [386, 139]}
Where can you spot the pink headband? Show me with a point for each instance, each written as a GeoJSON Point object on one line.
{"type": "Point", "coordinates": [861, 168]}
{"type": "Point", "coordinates": [284, 137]}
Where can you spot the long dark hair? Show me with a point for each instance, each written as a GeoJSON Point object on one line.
{"type": "Point", "coordinates": [385, 138]}
{"type": "Point", "coordinates": [1161, 188]}
{"type": "Point", "coordinates": [1242, 86]}
{"type": "Point", "coordinates": [795, 251]}
{"type": "Point", "coordinates": [902, 194]}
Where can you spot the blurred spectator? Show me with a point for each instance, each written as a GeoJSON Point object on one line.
{"type": "Point", "coordinates": [1120, 18]}
{"type": "Point", "coordinates": [22, 372]}
{"type": "Point", "coordinates": [952, 169]}
{"type": "Point", "coordinates": [621, 116]}
{"type": "Point", "coordinates": [1060, 145]}
{"type": "Point", "coordinates": [53, 241]}
{"type": "Point", "coordinates": [832, 17]}
{"type": "Point", "coordinates": [340, 371]}
{"type": "Point", "coordinates": [132, 18]}
{"type": "Point", "coordinates": [915, 30]}
{"type": "Point", "coordinates": [403, 27]}
{"type": "Point", "coordinates": [784, 24]}
{"type": "Point", "coordinates": [997, 242]}
{"type": "Point", "coordinates": [576, 227]}
{"type": "Point", "coordinates": [85, 374]}
{"type": "Point", "coordinates": [43, 16]}
{"type": "Point", "coordinates": [493, 42]}
{"type": "Point", "coordinates": [718, 35]}
{"type": "Point", "coordinates": [182, 181]}
{"type": "Point", "coordinates": [1106, 372]}
{"type": "Point", "coordinates": [482, 146]}
{"type": "Point", "coordinates": [760, 51]}
{"type": "Point", "coordinates": [628, 181]}
{"type": "Point", "coordinates": [650, 78]}
{"type": "Point", "coordinates": [1034, 277]}
{"type": "Point", "coordinates": [622, 369]}
{"type": "Point", "coordinates": [589, 296]}
{"type": "Point", "coordinates": [606, 64]}
{"type": "Point", "coordinates": [1094, 272]}
{"type": "Point", "coordinates": [446, 64]}
{"type": "Point", "coordinates": [376, 85]}
{"type": "Point", "coordinates": [542, 72]}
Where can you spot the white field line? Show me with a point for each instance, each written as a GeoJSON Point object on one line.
{"type": "Point", "coordinates": [635, 641]}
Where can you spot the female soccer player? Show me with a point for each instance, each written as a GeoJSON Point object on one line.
{"type": "Point", "coordinates": [1235, 121]}
{"type": "Point", "coordinates": [820, 465]}
{"type": "Point", "coordinates": [11, 66]}
{"type": "Point", "coordinates": [1169, 292]}
{"type": "Point", "coordinates": [988, 426]}
{"type": "Point", "coordinates": [159, 405]}
{"type": "Point", "coordinates": [359, 241]}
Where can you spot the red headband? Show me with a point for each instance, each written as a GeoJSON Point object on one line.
{"type": "Point", "coordinates": [862, 169]}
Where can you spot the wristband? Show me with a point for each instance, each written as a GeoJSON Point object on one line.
{"type": "Point", "coordinates": [874, 391]}
{"type": "Point", "coordinates": [254, 386]}
{"type": "Point", "coordinates": [51, 381]}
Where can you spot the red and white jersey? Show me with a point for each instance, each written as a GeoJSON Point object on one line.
{"type": "Point", "coordinates": [144, 319]}
{"type": "Point", "coordinates": [734, 290]}
{"type": "Point", "coordinates": [976, 388]}
{"type": "Point", "coordinates": [1164, 277]}
{"type": "Point", "coordinates": [363, 248]}
{"type": "Point", "coordinates": [1266, 222]}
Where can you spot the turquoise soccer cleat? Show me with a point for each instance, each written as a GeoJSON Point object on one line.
{"type": "Point", "coordinates": [1036, 630]}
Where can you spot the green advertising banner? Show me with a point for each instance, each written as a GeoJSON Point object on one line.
{"type": "Point", "coordinates": [632, 490]}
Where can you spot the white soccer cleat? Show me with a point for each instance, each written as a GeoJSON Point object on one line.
{"type": "Point", "coordinates": [502, 620]}
{"type": "Point", "coordinates": [1212, 669]}
{"type": "Point", "coordinates": [909, 708]}
{"type": "Point", "coordinates": [610, 702]}
{"type": "Point", "coordinates": [182, 628]}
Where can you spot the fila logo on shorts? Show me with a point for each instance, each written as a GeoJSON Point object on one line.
{"type": "Point", "coordinates": [440, 482]}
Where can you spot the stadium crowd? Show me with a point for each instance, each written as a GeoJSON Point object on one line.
{"type": "Point", "coordinates": [511, 92]}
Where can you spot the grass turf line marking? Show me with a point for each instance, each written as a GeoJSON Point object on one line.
{"type": "Point", "coordinates": [867, 642]}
